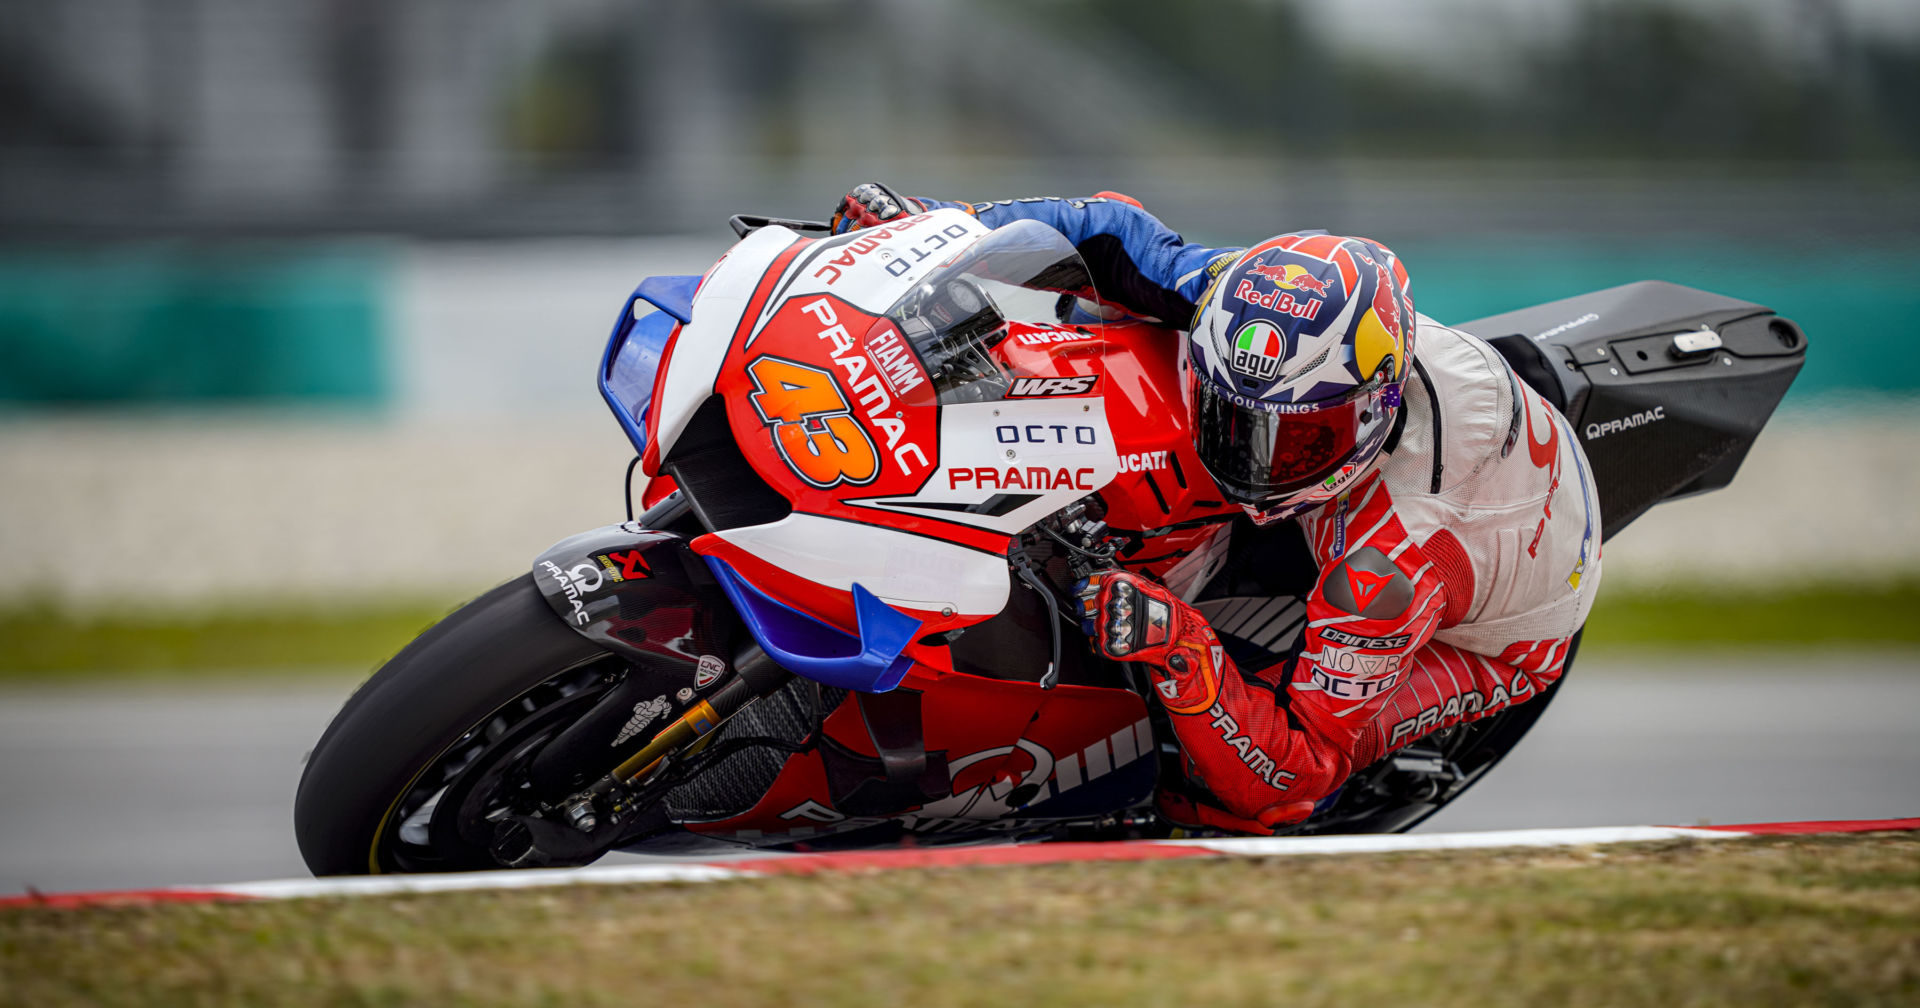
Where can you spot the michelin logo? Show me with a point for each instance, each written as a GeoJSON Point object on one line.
{"type": "Point", "coordinates": [644, 713]}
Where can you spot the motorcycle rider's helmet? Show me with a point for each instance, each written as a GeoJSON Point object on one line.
{"type": "Point", "coordinates": [1294, 368]}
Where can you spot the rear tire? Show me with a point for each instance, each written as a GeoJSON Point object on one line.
{"type": "Point", "coordinates": [457, 679]}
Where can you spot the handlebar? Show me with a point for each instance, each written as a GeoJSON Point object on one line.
{"type": "Point", "coordinates": [746, 224]}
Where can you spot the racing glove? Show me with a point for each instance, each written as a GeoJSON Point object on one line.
{"type": "Point", "coordinates": [869, 204]}
{"type": "Point", "coordinates": [1130, 618]}
{"type": "Point", "coordinates": [1133, 619]}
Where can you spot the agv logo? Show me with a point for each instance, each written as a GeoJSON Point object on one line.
{"type": "Point", "coordinates": [1257, 350]}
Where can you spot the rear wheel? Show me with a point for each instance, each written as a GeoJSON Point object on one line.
{"type": "Point", "coordinates": [421, 762]}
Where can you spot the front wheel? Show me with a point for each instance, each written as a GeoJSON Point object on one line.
{"type": "Point", "coordinates": [416, 769]}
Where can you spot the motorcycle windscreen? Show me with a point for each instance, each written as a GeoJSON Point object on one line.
{"type": "Point", "coordinates": [1019, 278]}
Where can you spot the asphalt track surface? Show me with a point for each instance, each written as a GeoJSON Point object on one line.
{"type": "Point", "coordinates": [136, 786]}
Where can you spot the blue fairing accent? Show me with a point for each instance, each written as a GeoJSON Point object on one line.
{"type": "Point", "coordinates": [670, 294]}
{"type": "Point", "coordinates": [634, 350]}
{"type": "Point", "coordinates": [870, 663]}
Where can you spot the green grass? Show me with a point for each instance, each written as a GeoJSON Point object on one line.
{"type": "Point", "coordinates": [44, 643]}
{"type": "Point", "coordinates": [1783, 921]}
{"type": "Point", "coordinates": [1881, 615]}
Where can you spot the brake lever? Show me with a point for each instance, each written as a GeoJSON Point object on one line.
{"type": "Point", "coordinates": [1024, 567]}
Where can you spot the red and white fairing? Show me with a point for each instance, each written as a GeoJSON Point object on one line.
{"type": "Point", "coordinates": [913, 498]}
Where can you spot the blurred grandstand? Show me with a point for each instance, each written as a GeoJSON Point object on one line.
{"type": "Point", "coordinates": [480, 118]}
{"type": "Point", "coordinates": [359, 254]}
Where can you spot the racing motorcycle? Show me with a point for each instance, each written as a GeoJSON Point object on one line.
{"type": "Point", "coordinates": [876, 464]}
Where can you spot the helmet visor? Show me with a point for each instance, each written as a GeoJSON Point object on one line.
{"type": "Point", "coordinates": [1260, 453]}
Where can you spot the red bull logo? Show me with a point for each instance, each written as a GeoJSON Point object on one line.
{"type": "Point", "coordinates": [1290, 277]}
{"type": "Point", "coordinates": [1310, 283]}
{"type": "Point", "coordinates": [1281, 301]}
{"type": "Point", "coordinates": [1275, 274]}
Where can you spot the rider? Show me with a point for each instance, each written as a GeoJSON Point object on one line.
{"type": "Point", "coordinates": [1449, 506]}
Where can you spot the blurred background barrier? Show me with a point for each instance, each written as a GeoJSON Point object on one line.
{"type": "Point", "coordinates": [414, 327]}
{"type": "Point", "coordinates": [300, 299]}
{"type": "Point", "coordinates": [167, 513]}
{"type": "Point", "coordinates": [155, 324]}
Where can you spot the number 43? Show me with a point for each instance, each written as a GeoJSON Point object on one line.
{"type": "Point", "coordinates": [813, 427]}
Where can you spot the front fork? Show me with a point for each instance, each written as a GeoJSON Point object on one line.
{"type": "Point", "coordinates": [643, 595]}
{"type": "Point", "coordinates": [704, 717]}
{"type": "Point", "coordinates": [596, 816]}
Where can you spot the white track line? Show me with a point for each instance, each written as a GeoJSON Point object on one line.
{"type": "Point", "coordinates": [1243, 846]}
{"type": "Point", "coordinates": [926, 857]}
{"type": "Point", "coordinates": [534, 878]}
{"type": "Point", "coordinates": [1386, 843]}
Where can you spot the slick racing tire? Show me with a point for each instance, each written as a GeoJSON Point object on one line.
{"type": "Point", "coordinates": [502, 667]}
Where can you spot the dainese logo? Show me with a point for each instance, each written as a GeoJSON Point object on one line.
{"type": "Point", "coordinates": [813, 426]}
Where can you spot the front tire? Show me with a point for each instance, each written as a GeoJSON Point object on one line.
{"type": "Point", "coordinates": [501, 667]}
